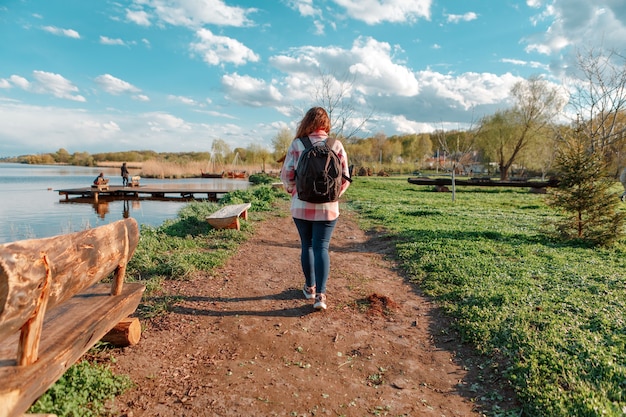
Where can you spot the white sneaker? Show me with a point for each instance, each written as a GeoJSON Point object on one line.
{"type": "Point", "coordinates": [320, 302]}
{"type": "Point", "coordinates": [309, 292]}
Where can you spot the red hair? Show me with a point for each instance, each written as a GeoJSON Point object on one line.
{"type": "Point", "coordinates": [315, 119]}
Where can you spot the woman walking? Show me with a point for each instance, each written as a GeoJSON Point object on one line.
{"type": "Point", "coordinates": [315, 221]}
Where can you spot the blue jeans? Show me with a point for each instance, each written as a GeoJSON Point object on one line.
{"type": "Point", "coordinates": [315, 240]}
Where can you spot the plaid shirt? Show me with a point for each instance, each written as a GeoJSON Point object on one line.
{"type": "Point", "coordinates": [303, 209]}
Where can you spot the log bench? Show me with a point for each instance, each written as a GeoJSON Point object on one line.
{"type": "Point", "coordinates": [100, 187]}
{"type": "Point", "coordinates": [228, 216]}
{"type": "Point", "coordinates": [53, 307]}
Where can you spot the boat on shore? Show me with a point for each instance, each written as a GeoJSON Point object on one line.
{"type": "Point", "coordinates": [212, 172]}
{"type": "Point", "coordinates": [235, 172]}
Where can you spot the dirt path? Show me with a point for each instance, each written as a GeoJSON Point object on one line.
{"type": "Point", "coordinates": [245, 342]}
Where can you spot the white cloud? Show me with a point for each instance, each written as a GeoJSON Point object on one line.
{"type": "Point", "coordinates": [46, 83]}
{"type": "Point", "coordinates": [377, 73]}
{"type": "Point", "coordinates": [531, 64]}
{"type": "Point", "coordinates": [250, 91]}
{"type": "Point", "coordinates": [40, 129]}
{"type": "Point", "coordinates": [216, 50]}
{"type": "Point", "coordinates": [115, 86]}
{"type": "Point", "coordinates": [183, 100]}
{"type": "Point", "coordinates": [467, 17]}
{"type": "Point", "coordinates": [197, 13]}
{"type": "Point", "coordinates": [368, 60]}
{"type": "Point", "coordinates": [405, 126]}
{"type": "Point", "coordinates": [46, 129]}
{"type": "Point", "coordinates": [70, 33]}
{"type": "Point", "coordinates": [139, 17]}
{"type": "Point", "coordinates": [163, 122]}
{"type": "Point", "coordinates": [55, 84]}
{"type": "Point", "coordinates": [109, 41]}
{"type": "Point", "coordinates": [20, 82]}
{"type": "Point", "coordinates": [377, 11]}
{"type": "Point", "coordinates": [305, 7]}
{"type": "Point", "coordinates": [579, 22]}
{"type": "Point", "coordinates": [468, 90]}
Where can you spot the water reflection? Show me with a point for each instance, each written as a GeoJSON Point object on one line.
{"type": "Point", "coordinates": [101, 208]}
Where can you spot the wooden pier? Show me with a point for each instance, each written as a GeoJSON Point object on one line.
{"type": "Point", "coordinates": [157, 191]}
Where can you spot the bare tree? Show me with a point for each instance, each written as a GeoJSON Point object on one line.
{"type": "Point", "coordinates": [335, 95]}
{"type": "Point", "coordinates": [457, 145]}
{"type": "Point", "coordinates": [598, 98]}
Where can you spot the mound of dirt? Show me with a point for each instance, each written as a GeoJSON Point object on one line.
{"type": "Point", "coordinates": [243, 341]}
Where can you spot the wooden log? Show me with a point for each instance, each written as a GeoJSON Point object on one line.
{"type": "Point", "coordinates": [75, 261]}
{"type": "Point", "coordinates": [125, 333]}
{"type": "Point", "coordinates": [483, 182]}
{"type": "Point", "coordinates": [69, 331]}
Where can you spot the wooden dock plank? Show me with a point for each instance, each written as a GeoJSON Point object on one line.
{"type": "Point", "coordinates": [157, 192]}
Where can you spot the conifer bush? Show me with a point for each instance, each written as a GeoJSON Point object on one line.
{"type": "Point", "coordinates": [584, 197]}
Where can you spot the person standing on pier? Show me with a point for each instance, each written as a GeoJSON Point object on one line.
{"type": "Point", "coordinates": [125, 174]}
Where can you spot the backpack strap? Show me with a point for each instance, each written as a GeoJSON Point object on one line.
{"type": "Point", "coordinates": [306, 141]}
{"type": "Point", "coordinates": [330, 141]}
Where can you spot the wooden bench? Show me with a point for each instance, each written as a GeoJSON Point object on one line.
{"type": "Point", "coordinates": [100, 187]}
{"type": "Point", "coordinates": [53, 308]}
{"type": "Point", "coordinates": [228, 216]}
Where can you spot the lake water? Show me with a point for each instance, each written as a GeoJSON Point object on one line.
{"type": "Point", "coordinates": [30, 206]}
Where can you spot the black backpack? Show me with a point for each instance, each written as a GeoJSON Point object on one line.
{"type": "Point", "coordinates": [319, 173]}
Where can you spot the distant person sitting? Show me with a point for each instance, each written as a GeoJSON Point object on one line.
{"type": "Point", "coordinates": [100, 180]}
{"type": "Point", "coordinates": [125, 174]}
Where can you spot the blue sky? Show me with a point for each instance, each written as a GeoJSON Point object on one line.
{"type": "Point", "coordinates": [174, 75]}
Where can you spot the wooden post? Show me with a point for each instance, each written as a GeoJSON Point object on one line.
{"type": "Point", "coordinates": [120, 271]}
{"type": "Point", "coordinates": [30, 335]}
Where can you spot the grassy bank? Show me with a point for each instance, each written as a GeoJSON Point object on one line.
{"type": "Point", "coordinates": [548, 315]}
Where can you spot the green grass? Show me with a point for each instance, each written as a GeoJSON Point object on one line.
{"type": "Point", "coordinates": [82, 391]}
{"type": "Point", "coordinates": [551, 311]}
